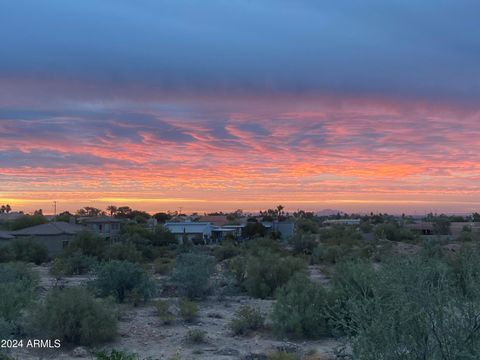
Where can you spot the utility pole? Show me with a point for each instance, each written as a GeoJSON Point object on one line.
{"type": "Point", "coordinates": [55, 209]}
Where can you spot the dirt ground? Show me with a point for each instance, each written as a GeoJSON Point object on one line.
{"type": "Point", "coordinates": [142, 332]}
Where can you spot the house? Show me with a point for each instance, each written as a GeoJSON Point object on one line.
{"type": "Point", "coordinates": [216, 220]}
{"type": "Point", "coordinates": [422, 228]}
{"type": "Point", "coordinates": [285, 229]}
{"type": "Point", "coordinates": [190, 231]}
{"type": "Point", "coordinates": [5, 237]}
{"type": "Point", "coordinates": [221, 232]}
{"type": "Point", "coordinates": [105, 226]}
{"type": "Point", "coordinates": [54, 235]}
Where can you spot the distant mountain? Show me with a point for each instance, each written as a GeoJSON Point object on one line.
{"type": "Point", "coordinates": [328, 212]}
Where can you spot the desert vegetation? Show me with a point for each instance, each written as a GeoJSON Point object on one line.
{"type": "Point", "coordinates": [326, 291]}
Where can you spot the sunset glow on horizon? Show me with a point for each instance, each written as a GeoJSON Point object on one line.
{"type": "Point", "coordinates": [157, 108]}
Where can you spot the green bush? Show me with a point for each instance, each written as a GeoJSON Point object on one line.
{"type": "Point", "coordinates": [163, 265]}
{"type": "Point", "coordinates": [246, 319]}
{"type": "Point", "coordinates": [281, 355]}
{"type": "Point", "coordinates": [115, 355]}
{"type": "Point", "coordinates": [268, 271]}
{"type": "Point", "coordinates": [303, 243]}
{"type": "Point", "coordinates": [164, 313]}
{"type": "Point", "coordinates": [123, 252]}
{"type": "Point", "coordinates": [163, 237]}
{"type": "Point", "coordinates": [300, 309]}
{"type": "Point", "coordinates": [122, 279]}
{"type": "Point", "coordinates": [191, 274]}
{"type": "Point", "coordinates": [196, 336]}
{"type": "Point", "coordinates": [88, 244]}
{"type": "Point", "coordinates": [74, 316]}
{"type": "Point", "coordinates": [74, 263]}
{"type": "Point", "coordinates": [188, 310]}
{"type": "Point", "coordinates": [412, 308]}
{"type": "Point", "coordinates": [17, 289]}
{"type": "Point", "coordinates": [26, 249]}
{"type": "Point", "coordinates": [226, 250]}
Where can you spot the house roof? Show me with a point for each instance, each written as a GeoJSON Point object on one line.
{"type": "Point", "coordinates": [4, 235]}
{"type": "Point", "coordinates": [102, 219]}
{"type": "Point", "coordinates": [51, 228]}
{"type": "Point", "coordinates": [188, 227]}
{"type": "Point", "coordinates": [217, 220]}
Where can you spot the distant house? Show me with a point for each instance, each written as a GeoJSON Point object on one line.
{"type": "Point", "coordinates": [216, 220]}
{"type": "Point", "coordinates": [285, 229]}
{"type": "Point", "coordinates": [190, 231]}
{"type": "Point", "coordinates": [54, 235]}
{"type": "Point", "coordinates": [5, 237]}
{"type": "Point", "coordinates": [422, 228]}
{"type": "Point", "coordinates": [105, 226]}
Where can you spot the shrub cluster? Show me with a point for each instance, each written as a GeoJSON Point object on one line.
{"type": "Point", "coordinates": [191, 274]}
{"type": "Point", "coordinates": [74, 316]}
{"type": "Point", "coordinates": [123, 280]}
{"type": "Point", "coordinates": [246, 319]}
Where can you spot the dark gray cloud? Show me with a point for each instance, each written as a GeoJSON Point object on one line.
{"type": "Point", "coordinates": [428, 49]}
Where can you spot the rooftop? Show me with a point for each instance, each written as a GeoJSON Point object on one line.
{"type": "Point", "coordinates": [52, 228]}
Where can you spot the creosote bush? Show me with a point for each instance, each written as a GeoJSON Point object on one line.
{"type": "Point", "coordinates": [17, 290]}
{"type": "Point", "coordinates": [27, 250]}
{"type": "Point", "coordinates": [188, 310]}
{"type": "Point", "coordinates": [301, 309]}
{"type": "Point", "coordinates": [74, 316]}
{"type": "Point", "coordinates": [246, 320]}
{"type": "Point", "coordinates": [164, 313]}
{"type": "Point", "coordinates": [74, 263]}
{"type": "Point", "coordinates": [196, 336]}
{"type": "Point", "coordinates": [123, 280]}
{"type": "Point", "coordinates": [269, 271]}
{"type": "Point", "coordinates": [191, 274]}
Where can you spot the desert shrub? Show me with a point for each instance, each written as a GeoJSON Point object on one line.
{"type": "Point", "coordinates": [254, 229]}
{"type": "Point", "coordinates": [17, 289]}
{"type": "Point", "coordinates": [164, 313]}
{"type": "Point", "coordinates": [227, 250]}
{"type": "Point", "coordinates": [303, 243]}
{"type": "Point", "coordinates": [26, 249]}
{"type": "Point", "coordinates": [115, 355]}
{"type": "Point", "coordinates": [123, 252]}
{"type": "Point", "coordinates": [282, 355]}
{"type": "Point", "coordinates": [237, 266]}
{"type": "Point", "coordinates": [412, 309]}
{"type": "Point", "coordinates": [122, 279]}
{"type": "Point", "coordinates": [87, 243]}
{"type": "Point", "coordinates": [268, 271]}
{"type": "Point", "coordinates": [74, 316]}
{"type": "Point", "coordinates": [307, 226]}
{"type": "Point", "coordinates": [191, 274]}
{"type": "Point", "coordinates": [74, 263]}
{"type": "Point", "coordinates": [163, 265]}
{"type": "Point", "coordinates": [142, 243]}
{"type": "Point", "coordinates": [163, 237]}
{"type": "Point", "coordinates": [246, 319]}
{"type": "Point", "coordinates": [196, 336]}
{"type": "Point", "coordinates": [300, 309]}
{"type": "Point", "coordinates": [188, 310]}
{"type": "Point", "coordinates": [393, 232]}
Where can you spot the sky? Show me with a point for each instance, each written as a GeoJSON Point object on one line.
{"type": "Point", "coordinates": [226, 104]}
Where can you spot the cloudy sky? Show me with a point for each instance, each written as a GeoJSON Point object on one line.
{"type": "Point", "coordinates": [225, 104]}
